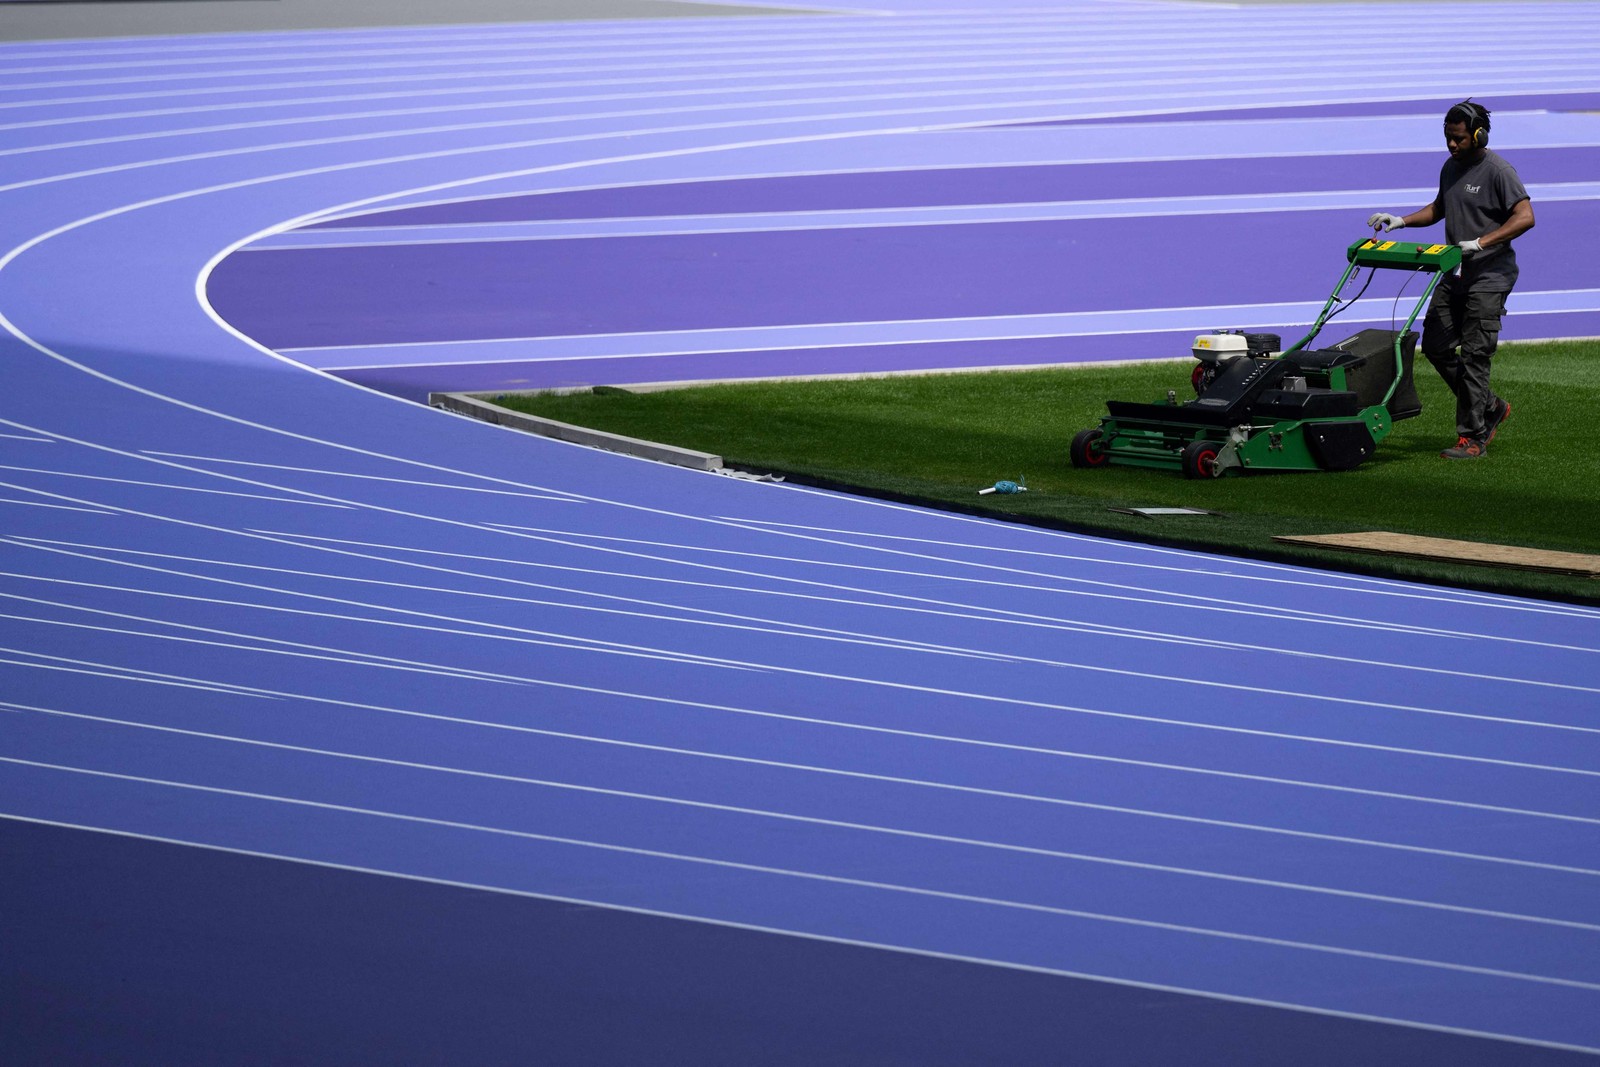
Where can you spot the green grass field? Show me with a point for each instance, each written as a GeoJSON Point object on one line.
{"type": "Point", "coordinates": [939, 438]}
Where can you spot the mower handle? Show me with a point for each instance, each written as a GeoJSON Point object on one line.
{"type": "Point", "coordinates": [1403, 255]}
{"type": "Point", "coordinates": [1373, 252]}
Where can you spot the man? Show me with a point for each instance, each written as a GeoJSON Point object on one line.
{"type": "Point", "coordinates": [1484, 207]}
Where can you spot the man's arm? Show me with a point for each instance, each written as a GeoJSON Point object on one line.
{"type": "Point", "coordinates": [1520, 222]}
{"type": "Point", "coordinates": [1426, 216]}
{"type": "Point", "coordinates": [1423, 216]}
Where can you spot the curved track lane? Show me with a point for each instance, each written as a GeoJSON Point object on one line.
{"type": "Point", "coordinates": [249, 607]}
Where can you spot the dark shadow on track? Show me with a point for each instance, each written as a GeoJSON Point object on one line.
{"type": "Point", "coordinates": [138, 952]}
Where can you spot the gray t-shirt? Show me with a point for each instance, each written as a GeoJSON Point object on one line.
{"type": "Point", "coordinates": [1474, 199]}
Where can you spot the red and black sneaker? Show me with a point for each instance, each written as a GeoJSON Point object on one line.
{"type": "Point", "coordinates": [1465, 448]}
{"type": "Point", "coordinates": [1497, 420]}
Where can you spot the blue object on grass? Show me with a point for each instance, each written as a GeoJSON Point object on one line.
{"type": "Point", "coordinates": [1006, 486]}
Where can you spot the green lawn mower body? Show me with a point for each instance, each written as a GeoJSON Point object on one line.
{"type": "Point", "coordinates": [1302, 409]}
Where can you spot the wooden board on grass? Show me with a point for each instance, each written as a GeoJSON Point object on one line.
{"type": "Point", "coordinates": [1443, 549]}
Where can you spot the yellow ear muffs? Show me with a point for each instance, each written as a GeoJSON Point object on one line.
{"type": "Point", "coordinates": [1477, 123]}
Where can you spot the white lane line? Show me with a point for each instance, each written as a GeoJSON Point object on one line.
{"type": "Point", "coordinates": [788, 629]}
{"type": "Point", "coordinates": [126, 673]}
{"type": "Point", "coordinates": [1293, 77]}
{"type": "Point", "coordinates": [1159, 49]}
{"type": "Point", "coordinates": [928, 113]}
{"type": "Point", "coordinates": [733, 99]}
{"type": "Point", "coordinates": [57, 507]}
{"type": "Point", "coordinates": [744, 623]}
{"type": "Point", "coordinates": [948, 73]}
{"type": "Point", "coordinates": [933, 115]}
{"type": "Point", "coordinates": [422, 85]}
{"type": "Point", "coordinates": [782, 626]}
{"type": "Point", "coordinates": [1072, 43]}
{"type": "Point", "coordinates": [883, 600]}
{"type": "Point", "coordinates": [506, 632]}
{"type": "Point", "coordinates": [541, 48]}
{"type": "Point", "coordinates": [223, 475]}
{"type": "Point", "coordinates": [28, 438]}
{"type": "Point", "coordinates": [835, 52]}
{"type": "Point", "coordinates": [1278, 613]}
{"type": "Point", "coordinates": [245, 642]}
{"type": "Point", "coordinates": [464, 627]}
{"type": "Point", "coordinates": [71, 666]}
{"type": "Point", "coordinates": [770, 78]}
{"type": "Point", "coordinates": [806, 935]}
{"type": "Point", "coordinates": [811, 820]}
{"type": "Point", "coordinates": [292, 649]}
{"type": "Point", "coordinates": [816, 876]}
{"type": "Point", "coordinates": [969, 612]}
{"type": "Point", "coordinates": [1103, 54]}
{"type": "Point", "coordinates": [971, 790]}
{"type": "Point", "coordinates": [1386, 587]}
{"type": "Point", "coordinates": [1004, 157]}
{"type": "Point", "coordinates": [314, 498]}
{"type": "Point", "coordinates": [1160, 597]}
{"type": "Point", "coordinates": [164, 485]}
{"type": "Point", "coordinates": [272, 538]}
{"type": "Point", "coordinates": [1343, 583]}
{"type": "Point", "coordinates": [282, 538]}
{"type": "Point", "coordinates": [1101, 66]}
{"type": "Point", "coordinates": [394, 511]}
{"type": "Point", "coordinates": [550, 494]}
{"type": "Point", "coordinates": [748, 223]}
{"type": "Point", "coordinates": [121, 674]}
{"type": "Point", "coordinates": [579, 348]}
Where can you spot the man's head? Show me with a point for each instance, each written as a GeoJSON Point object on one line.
{"type": "Point", "coordinates": [1466, 129]}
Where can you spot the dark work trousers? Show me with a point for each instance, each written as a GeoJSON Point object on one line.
{"type": "Point", "coordinates": [1459, 337]}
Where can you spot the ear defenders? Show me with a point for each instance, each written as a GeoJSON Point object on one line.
{"type": "Point", "coordinates": [1477, 121]}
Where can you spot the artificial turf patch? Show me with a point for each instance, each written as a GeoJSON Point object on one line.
{"type": "Point", "coordinates": [940, 438]}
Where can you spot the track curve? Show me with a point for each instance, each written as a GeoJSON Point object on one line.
{"type": "Point", "coordinates": [252, 608]}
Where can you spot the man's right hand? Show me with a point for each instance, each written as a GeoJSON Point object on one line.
{"type": "Point", "coordinates": [1385, 222]}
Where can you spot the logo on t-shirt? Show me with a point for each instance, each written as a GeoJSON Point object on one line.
{"type": "Point", "coordinates": [1474, 188]}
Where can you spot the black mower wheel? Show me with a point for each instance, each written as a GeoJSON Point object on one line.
{"type": "Point", "coordinates": [1200, 459]}
{"type": "Point", "coordinates": [1087, 451]}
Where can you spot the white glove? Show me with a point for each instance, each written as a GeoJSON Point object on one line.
{"type": "Point", "coordinates": [1470, 246]}
{"type": "Point", "coordinates": [1385, 222]}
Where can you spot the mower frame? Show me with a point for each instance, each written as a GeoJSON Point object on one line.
{"type": "Point", "coordinates": [1203, 442]}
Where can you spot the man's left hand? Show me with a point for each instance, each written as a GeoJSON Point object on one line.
{"type": "Point", "coordinates": [1470, 246]}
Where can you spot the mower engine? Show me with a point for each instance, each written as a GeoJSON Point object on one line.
{"type": "Point", "coordinates": [1215, 350]}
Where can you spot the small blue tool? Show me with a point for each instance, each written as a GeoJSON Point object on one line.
{"type": "Point", "coordinates": [1006, 486]}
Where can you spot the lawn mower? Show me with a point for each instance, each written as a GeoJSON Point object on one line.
{"type": "Point", "coordinates": [1301, 409]}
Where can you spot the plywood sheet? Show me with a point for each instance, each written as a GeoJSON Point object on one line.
{"type": "Point", "coordinates": [1446, 550]}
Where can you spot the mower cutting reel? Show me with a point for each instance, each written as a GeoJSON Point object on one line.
{"type": "Point", "coordinates": [1259, 409]}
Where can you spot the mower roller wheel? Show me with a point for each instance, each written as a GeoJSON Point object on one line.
{"type": "Point", "coordinates": [1200, 459]}
{"type": "Point", "coordinates": [1086, 449]}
